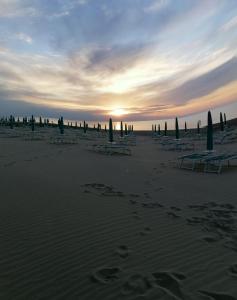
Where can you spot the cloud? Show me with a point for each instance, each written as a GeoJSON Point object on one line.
{"type": "Point", "coordinates": [152, 58]}
{"type": "Point", "coordinates": [109, 60]}
{"type": "Point", "coordinates": [204, 84]}
{"type": "Point", "coordinates": [231, 24]}
{"type": "Point", "coordinates": [157, 6]}
{"type": "Point", "coordinates": [16, 8]}
{"type": "Point", "coordinates": [24, 37]}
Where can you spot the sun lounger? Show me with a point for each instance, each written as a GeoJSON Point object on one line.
{"type": "Point", "coordinates": [127, 141]}
{"type": "Point", "coordinates": [33, 137]}
{"type": "Point", "coordinates": [194, 158]}
{"type": "Point", "coordinates": [215, 163]}
{"type": "Point", "coordinates": [111, 149]}
{"type": "Point", "coordinates": [177, 145]}
{"type": "Point", "coordinates": [212, 162]}
{"type": "Point", "coordinates": [63, 140]}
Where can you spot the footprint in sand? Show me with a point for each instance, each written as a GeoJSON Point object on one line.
{"type": "Point", "coordinates": [228, 206]}
{"type": "Point", "coordinates": [209, 239]}
{"type": "Point", "coordinates": [106, 275]}
{"type": "Point", "coordinates": [219, 220]}
{"type": "Point", "coordinates": [103, 190]}
{"type": "Point", "coordinates": [175, 208]}
{"type": "Point", "coordinates": [151, 204]}
{"type": "Point", "coordinates": [170, 282]}
{"type": "Point", "coordinates": [233, 270]}
{"type": "Point", "coordinates": [147, 195]}
{"type": "Point", "coordinates": [10, 164]}
{"type": "Point", "coordinates": [197, 207]}
{"type": "Point", "coordinates": [134, 195]}
{"type": "Point", "coordinates": [218, 296]}
{"type": "Point", "coordinates": [145, 231]}
{"type": "Point", "coordinates": [159, 189]}
{"type": "Point", "coordinates": [136, 284]}
{"type": "Point", "coordinates": [136, 215]}
{"type": "Point", "coordinates": [173, 215]}
{"type": "Point", "coordinates": [123, 251]}
{"type": "Point", "coordinates": [133, 201]}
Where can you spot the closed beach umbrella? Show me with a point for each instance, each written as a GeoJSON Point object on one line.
{"type": "Point", "coordinates": [61, 125]}
{"type": "Point", "coordinates": [165, 128]}
{"type": "Point", "coordinates": [126, 129]}
{"type": "Point", "coordinates": [111, 138]}
{"type": "Point", "coordinates": [121, 129]}
{"type": "Point", "coordinates": [209, 132]}
{"type": "Point", "coordinates": [32, 123]}
{"type": "Point", "coordinates": [221, 122]}
{"type": "Point", "coordinates": [225, 119]}
{"type": "Point", "coordinates": [176, 129]}
{"type": "Point", "coordinates": [198, 127]}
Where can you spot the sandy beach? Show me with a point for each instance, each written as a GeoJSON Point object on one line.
{"type": "Point", "coordinates": [75, 224]}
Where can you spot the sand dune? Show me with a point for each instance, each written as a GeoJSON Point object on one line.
{"type": "Point", "coordinates": [81, 225]}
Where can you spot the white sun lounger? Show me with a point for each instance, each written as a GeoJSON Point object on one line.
{"type": "Point", "coordinates": [111, 149]}
{"type": "Point", "coordinates": [215, 163]}
{"type": "Point", "coordinates": [194, 158]}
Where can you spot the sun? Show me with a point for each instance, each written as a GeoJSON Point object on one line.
{"type": "Point", "coordinates": [117, 112]}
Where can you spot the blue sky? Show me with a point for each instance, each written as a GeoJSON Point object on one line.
{"type": "Point", "coordinates": [142, 59]}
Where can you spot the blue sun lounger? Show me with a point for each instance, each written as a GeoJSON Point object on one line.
{"type": "Point", "coordinates": [217, 161]}
{"type": "Point", "coordinates": [194, 158]}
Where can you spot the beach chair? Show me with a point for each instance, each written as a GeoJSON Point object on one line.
{"type": "Point", "coordinates": [111, 149]}
{"type": "Point", "coordinates": [63, 140]}
{"type": "Point", "coordinates": [178, 145]}
{"type": "Point", "coordinates": [33, 136]}
{"type": "Point", "coordinates": [215, 163]}
{"type": "Point", "coordinates": [194, 158]}
{"type": "Point", "coordinates": [127, 141]}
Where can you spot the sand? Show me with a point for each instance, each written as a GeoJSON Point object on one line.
{"type": "Point", "coordinates": [75, 224]}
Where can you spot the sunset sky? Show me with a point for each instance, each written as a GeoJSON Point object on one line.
{"type": "Point", "coordinates": [132, 59]}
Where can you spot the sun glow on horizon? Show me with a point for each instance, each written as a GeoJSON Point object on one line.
{"type": "Point", "coordinates": [117, 112]}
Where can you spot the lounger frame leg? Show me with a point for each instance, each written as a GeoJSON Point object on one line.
{"type": "Point", "coordinates": [220, 167]}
